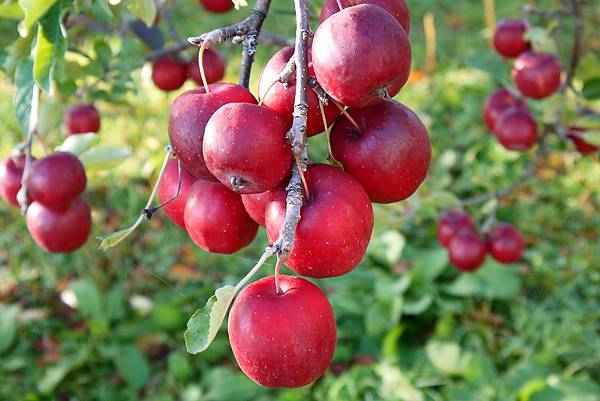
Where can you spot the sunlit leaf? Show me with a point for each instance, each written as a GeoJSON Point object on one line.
{"type": "Point", "coordinates": [24, 85]}
{"type": "Point", "coordinates": [78, 144]}
{"type": "Point", "coordinates": [50, 47]}
{"type": "Point", "coordinates": [144, 10]}
{"type": "Point", "coordinates": [204, 324]}
{"type": "Point", "coordinates": [34, 10]}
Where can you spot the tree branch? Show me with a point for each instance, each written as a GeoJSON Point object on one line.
{"type": "Point", "coordinates": [22, 197]}
{"type": "Point", "coordinates": [297, 135]}
{"type": "Point", "coordinates": [248, 30]}
{"type": "Point", "coordinates": [576, 51]}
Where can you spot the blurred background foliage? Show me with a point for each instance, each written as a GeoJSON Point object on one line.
{"type": "Point", "coordinates": [109, 326]}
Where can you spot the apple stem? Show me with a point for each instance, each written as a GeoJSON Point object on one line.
{"type": "Point", "coordinates": [303, 179]}
{"type": "Point", "coordinates": [339, 4]}
{"type": "Point", "coordinates": [277, 271]}
{"type": "Point", "coordinates": [147, 212]}
{"type": "Point", "coordinates": [260, 102]}
{"type": "Point", "coordinates": [331, 158]}
{"type": "Point", "coordinates": [22, 197]}
{"type": "Point", "coordinates": [269, 251]}
{"type": "Point", "coordinates": [154, 209]}
{"type": "Point", "coordinates": [346, 114]}
{"type": "Point", "coordinates": [201, 67]}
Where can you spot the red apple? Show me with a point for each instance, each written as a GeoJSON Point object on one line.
{"type": "Point", "coordinates": [168, 188]}
{"type": "Point", "coordinates": [336, 224]}
{"type": "Point", "coordinates": [56, 180]}
{"type": "Point", "coordinates": [397, 8]}
{"type": "Point", "coordinates": [11, 174]}
{"type": "Point", "coordinates": [497, 103]}
{"type": "Point", "coordinates": [537, 74]}
{"type": "Point", "coordinates": [245, 148]}
{"type": "Point", "coordinates": [505, 243]}
{"type": "Point", "coordinates": [59, 231]}
{"type": "Point", "coordinates": [452, 223]}
{"type": "Point", "coordinates": [82, 119]}
{"type": "Point", "coordinates": [467, 250]}
{"type": "Point", "coordinates": [216, 220]}
{"type": "Point", "coordinates": [516, 129]}
{"type": "Point", "coordinates": [169, 74]}
{"type": "Point", "coordinates": [361, 53]}
{"type": "Point", "coordinates": [509, 37]}
{"type": "Point", "coordinates": [214, 67]}
{"type": "Point", "coordinates": [188, 117]}
{"type": "Point", "coordinates": [217, 6]}
{"type": "Point", "coordinates": [280, 98]}
{"type": "Point", "coordinates": [282, 339]}
{"type": "Point", "coordinates": [389, 155]}
{"type": "Point", "coordinates": [256, 204]}
{"type": "Point", "coordinates": [576, 135]}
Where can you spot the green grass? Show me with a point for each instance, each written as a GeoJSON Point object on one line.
{"type": "Point", "coordinates": [410, 327]}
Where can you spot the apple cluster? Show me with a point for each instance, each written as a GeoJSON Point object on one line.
{"type": "Point", "coordinates": [233, 163]}
{"type": "Point", "coordinates": [536, 75]}
{"type": "Point", "coordinates": [57, 216]}
{"type": "Point", "coordinates": [467, 249]}
{"type": "Point", "coordinates": [169, 73]}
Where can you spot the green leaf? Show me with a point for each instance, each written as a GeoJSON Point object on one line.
{"type": "Point", "coordinates": [77, 144]}
{"type": "Point", "coordinates": [55, 374]}
{"type": "Point", "coordinates": [428, 264]}
{"type": "Point", "coordinates": [103, 52]}
{"type": "Point", "coordinates": [88, 299]}
{"type": "Point", "coordinates": [100, 11]}
{"type": "Point", "coordinates": [396, 386]}
{"type": "Point", "coordinates": [144, 10]}
{"type": "Point", "coordinates": [132, 365]}
{"type": "Point", "coordinates": [102, 157]}
{"type": "Point", "coordinates": [388, 246]}
{"type": "Point", "coordinates": [179, 365]}
{"type": "Point", "coordinates": [489, 63]}
{"type": "Point", "coordinates": [204, 324]}
{"type": "Point", "coordinates": [20, 49]}
{"type": "Point", "coordinates": [50, 47]}
{"type": "Point", "coordinates": [11, 11]}
{"type": "Point", "coordinates": [418, 306]}
{"type": "Point", "coordinates": [591, 89]}
{"type": "Point", "coordinates": [113, 239]}
{"type": "Point", "coordinates": [34, 10]}
{"type": "Point", "coordinates": [8, 325]}
{"type": "Point", "coordinates": [492, 281]}
{"type": "Point", "coordinates": [448, 357]}
{"type": "Point", "coordinates": [24, 85]}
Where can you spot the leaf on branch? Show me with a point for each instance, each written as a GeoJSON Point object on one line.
{"type": "Point", "coordinates": [113, 239]}
{"type": "Point", "coordinates": [50, 47]}
{"type": "Point", "coordinates": [144, 10]}
{"type": "Point", "coordinates": [11, 11]}
{"type": "Point", "coordinates": [33, 10]}
{"type": "Point", "coordinates": [78, 144]}
{"type": "Point", "coordinates": [203, 326]}
{"type": "Point", "coordinates": [24, 85]}
{"type": "Point", "coordinates": [239, 3]}
{"type": "Point", "coordinates": [102, 157]}
{"type": "Point", "coordinates": [591, 89]}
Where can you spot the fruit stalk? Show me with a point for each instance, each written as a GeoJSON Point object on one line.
{"type": "Point", "coordinates": [297, 135]}
{"type": "Point", "coordinates": [33, 123]}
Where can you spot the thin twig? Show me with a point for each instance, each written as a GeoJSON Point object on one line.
{"type": "Point", "coordinates": [576, 51]}
{"type": "Point", "coordinates": [248, 30]}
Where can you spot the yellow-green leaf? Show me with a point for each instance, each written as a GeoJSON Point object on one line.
{"type": "Point", "coordinates": [203, 326]}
